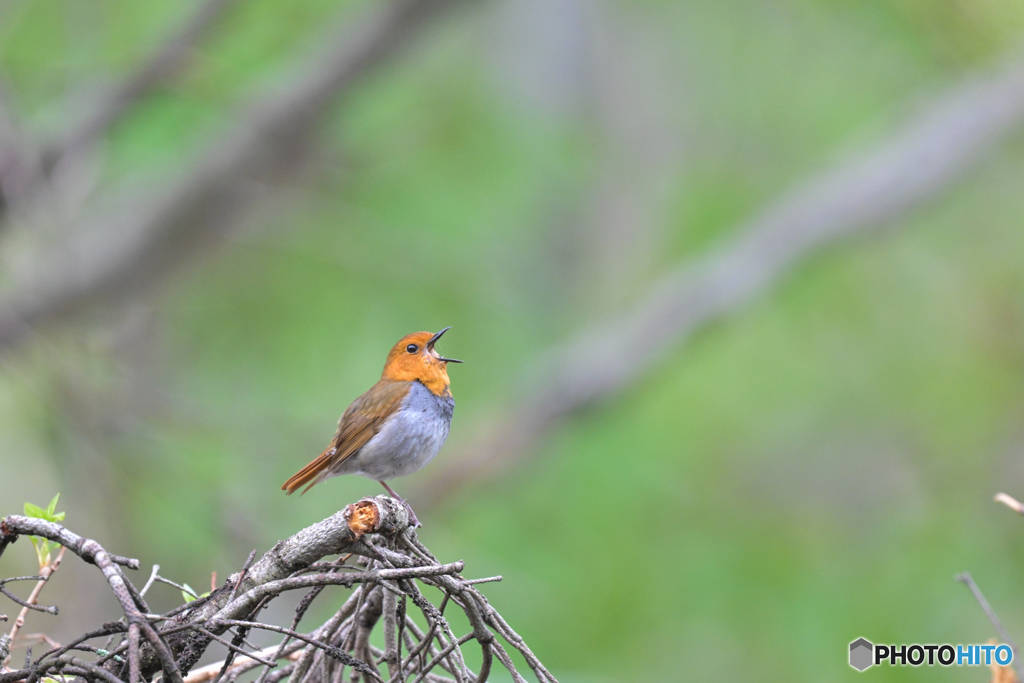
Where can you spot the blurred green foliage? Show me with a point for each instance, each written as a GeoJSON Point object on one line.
{"type": "Point", "coordinates": [815, 469]}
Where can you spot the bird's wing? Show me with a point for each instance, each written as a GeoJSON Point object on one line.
{"type": "Point", "coordinates": [360, 422]}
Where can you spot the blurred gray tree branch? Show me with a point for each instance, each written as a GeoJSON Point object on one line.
{"type": "Point", "coordinates": [107, 256]}
{"type": "Point", "coordinates": [164, 64]}
{"type": "Point", "coordinates": [88, 254]}
{"type": "Point", "coordinates": [28, 168]}
{"type": "Point", "coordinates": [927, 154]}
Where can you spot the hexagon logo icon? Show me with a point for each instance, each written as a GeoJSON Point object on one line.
{"type": "Point", "coordinates": [861, 651]}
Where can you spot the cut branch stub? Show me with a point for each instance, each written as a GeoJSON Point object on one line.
{"type": "Point", "coordinates": [380, 515]}
{"type": "Point", "coordinates": [362, 517]}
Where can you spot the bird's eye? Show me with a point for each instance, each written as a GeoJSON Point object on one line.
{"type": "Point", "coordinates": [412, 348]}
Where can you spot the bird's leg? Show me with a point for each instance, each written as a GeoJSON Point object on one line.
{"type": "Point", "coordinates": [412, 515]}
{"type": "Point", "coordinates": [390, 490]}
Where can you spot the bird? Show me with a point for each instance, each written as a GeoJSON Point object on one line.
{"type": "Point", "coordinates": [397, 426]}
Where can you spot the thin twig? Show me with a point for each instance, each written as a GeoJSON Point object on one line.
{"type": "Point", "coordinates": [107, 630]}
{"type": "Point", "coordinates": [1010, 502]}
{"type": "Point", "coordinates": [118, 585]}
{"type": "Point", "coordinates": [234, 648]}
{"type": "Point", "coordinates": [14, 525]}
{"type": "Point", "coordinates": [27, 604]}
{"type": "Point", "coordinates": [152, 578]}
{"type": "Point", "coordinates": [184, 589]}
{"type": "Point", "coordinates": [489, 579]}
{"type": "Point", "coordinates": [245, 662]}
{"type": "Point", "coordinates": [442, 654]}
{"type": "Point", "coordinates": [88, 668]}
{"type": "Point", "coordinates": [340, 655]}
{"type": "Point", "coordinates": [28, 639]}
{"type": "Point", "coordinates": [391, 655]}
{"type": "Point", "coordinates": [327, 631]}
{"type": "Point", "coordinates": [241, 574]}
{"type": "Point", "coordinates": [238, 605]}
{"type": "Point", "coordinates": [134, 669]}
{"type": "Point", "coordinates": [44, 575]}
{"type": "Point", "coordinates": [506, 661]}
{"type": "Point", "coordinates": [967, 579]}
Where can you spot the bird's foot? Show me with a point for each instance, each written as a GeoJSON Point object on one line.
{"type": "Point", "coordinates": [414, 522]}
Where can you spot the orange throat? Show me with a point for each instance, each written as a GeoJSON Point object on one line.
{"type": "Point", "coordinates": [422, 367]}
{"type": "Point", "coordinates": [433, 376]}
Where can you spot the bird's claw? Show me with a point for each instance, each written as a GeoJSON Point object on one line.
{"type": "Point", "coordinates": [413, 521]}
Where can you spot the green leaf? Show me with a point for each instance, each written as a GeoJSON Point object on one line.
{"type": "Point", "coordinates": [189, 594]}
{"type": "Point", "coordinates": [50, 514]}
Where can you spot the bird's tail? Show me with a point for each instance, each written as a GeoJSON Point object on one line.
{"type": "Point", "coordinates": [310, 474]}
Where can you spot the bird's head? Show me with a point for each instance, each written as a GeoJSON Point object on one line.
{"type": "Point", "coordinates": [414, 358]}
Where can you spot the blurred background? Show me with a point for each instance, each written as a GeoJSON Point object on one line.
{"type": "Point", "coordinates": [739, 287]}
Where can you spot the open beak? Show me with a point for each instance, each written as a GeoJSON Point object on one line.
{"type": "Point", "coordinates": [433, 340]}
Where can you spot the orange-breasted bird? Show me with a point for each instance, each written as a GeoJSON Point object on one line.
{"type": "Point", "coordinates": [396, 427]}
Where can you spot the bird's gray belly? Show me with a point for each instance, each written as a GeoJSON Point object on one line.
{"type": "Point", "coordinates": [409, 440]}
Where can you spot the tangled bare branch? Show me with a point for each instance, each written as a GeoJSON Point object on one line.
{"type": "Point", "coordinates": [389, 562]}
